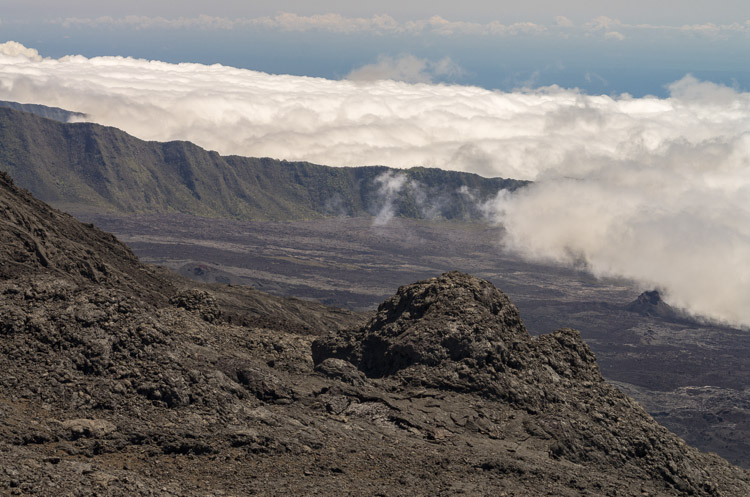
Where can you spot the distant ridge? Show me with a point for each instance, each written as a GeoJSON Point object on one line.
{"type": "Point", "coordinates": [86, 166]}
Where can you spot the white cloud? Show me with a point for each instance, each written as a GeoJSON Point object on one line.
{"type": "Point", "coordinates": [657, 190]}
{"type": "Point", "coordinates": [440, 26]}
{"type": "Point", "coordinates": [386, 25]}
{"type": "Point", "coordinates": [407, 68]}
{"type": "Point", "coordinates": [334, 23]}
{"type": "Point", "coordinates": [670, 209]}
{"type": "Point", "coordinates": [284, 21]}
{"type": "Point", "coordinates": [14, 50]}
{"type": "Point", "coordinates": [603, 23]}
{"type": "Point", "coordinates": [677, 220]}
{"type": "Point", "coordinates": [614, 35]}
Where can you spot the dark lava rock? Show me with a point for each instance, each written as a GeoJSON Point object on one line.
{"type": "Point", "coordinates": [198, 301]}
{"type": "Point", "coordinates": [651, 304]}
{"type": "Point", "coordinates": [452, 318]}
{"type": "Point", "coordinates": [459, 332]}
{"type": "Point", "coordinates": [341, 370]}
{"type": "Point", "coordinates": [38, 238]}
{"type": "Point", "coordinates": [114, 382]}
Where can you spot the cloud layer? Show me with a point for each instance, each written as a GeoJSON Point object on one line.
{"type": "Point", "coordinates": [387, 25]}
{"type": "Point", "coordinates": [657, 190]}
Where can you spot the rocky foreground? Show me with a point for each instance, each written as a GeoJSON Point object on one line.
{"type": "Point", "coordinates": [119, 379]}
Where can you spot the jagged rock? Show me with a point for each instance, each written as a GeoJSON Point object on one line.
{"type": "Point", "coordinates": [37, 237]}
{"type": "Point", "coordinates": [199, 301]}
{"type": "Point", "coordinates": [452, 318]}
{"type": "Point", "coordinates": [460, 332]}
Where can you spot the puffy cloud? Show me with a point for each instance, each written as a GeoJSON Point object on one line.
{"type": "Point", "coordinates": [656, 190]}
{"type": "Point", "coordinates": [670, 209]}
{"type": "Point", "coordinates": [146, 22]}
{"type": "Point", "coordinates": [13, 49]}
{"type": "Point", "coordinates": [335, 23]}
{"type": "Point", "coordinates": [285, 21]}
{"type": "Point", "coordinates": [407, 68]}
{"type": "Point", "coordinates": [440, 26]}
{"type": "Point", "coordinates": [614, 35]}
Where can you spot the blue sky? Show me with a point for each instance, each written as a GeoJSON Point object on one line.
{"type": "Point", "coordinates": [636, 47]}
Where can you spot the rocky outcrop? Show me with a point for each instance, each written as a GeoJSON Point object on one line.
{"type": "Point", "coordinates": [199, 301]}
{"type": "Point", "coordinates": [650, 303]}
{"type": "Point", "coordinates": [461, 333]}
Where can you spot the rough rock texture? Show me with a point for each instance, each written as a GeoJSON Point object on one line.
{"type": "Point", "coordinates": [199, 301]}
{"type": "Point", "coordinates": [461, 333]}
{"type": "Point", "coordinates": [440, 322]}
{"type": "Point", "coordinates": [457, 332]}
{"type": "Point", "coordinates": [119, 380]}
{"type": "Point", "coordinates": [38, 240]}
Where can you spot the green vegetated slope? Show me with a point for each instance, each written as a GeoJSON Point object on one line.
{"type": "Point", "coordinates": [85, 166]}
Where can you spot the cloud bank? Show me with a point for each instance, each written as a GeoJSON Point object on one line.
{"type": "Point", "coordinates": [656, 190]}
{"type": "Point", "coordinates": [669, 208]}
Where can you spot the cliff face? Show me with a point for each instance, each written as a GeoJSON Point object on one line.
{"type": "Point", "coordinates": [87, 167]}
{"type": "Point", "coordinates": [119, 379]}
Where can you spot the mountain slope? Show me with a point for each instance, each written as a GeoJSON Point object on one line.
{"type": "Point", "coordinates": [89, 167]}
{"type": "Point", "coordinates": [119, 383]}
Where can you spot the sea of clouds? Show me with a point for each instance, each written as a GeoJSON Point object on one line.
{"type": "Point", "coordinates": [652, 189]}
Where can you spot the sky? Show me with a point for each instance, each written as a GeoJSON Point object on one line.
{"type": "Point", "coordinates": [609, 47]}
{"type": "Point", "coordinates": [633, 120]}
{"type": "Point", "coordinates": [658, 11]}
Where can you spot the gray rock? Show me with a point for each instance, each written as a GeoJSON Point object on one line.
{"type": "Point", "coordinates": [88, 428]}
{"type": "Point", "coordinates": [341, 370]}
